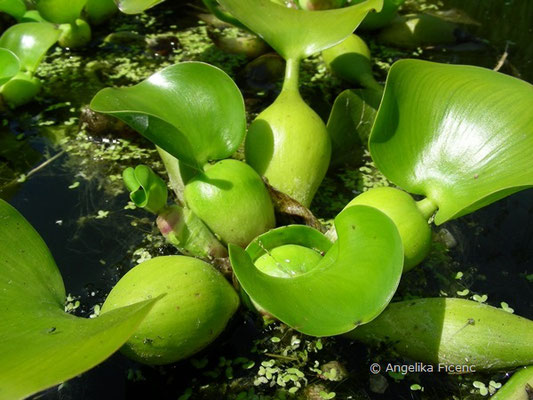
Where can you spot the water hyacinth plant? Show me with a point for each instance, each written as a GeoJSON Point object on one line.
{"type": "Point", "coordinates": [288, 143]}
{"type": "Point", "coordinates": [440, 144]}
{"type": "Point", "coordinates": [459, 160]}
{"type": "Point", "coordinates": [75, 31]}
{"type": "Point", "coordinates": [201, 126]}
{"type": "Point", "coordinates": [43, 345]}
{"type": "Point", "coordinates": [23, 46]}
{"type": "Point", "coordinates": [295, 261]}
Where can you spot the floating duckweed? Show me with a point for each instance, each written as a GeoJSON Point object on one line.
{"type": "Point", "coordinates": [480, 299]}
{"type": "Point", "coordinates": [102, 214]}
{"type": "Point", "coordinates": [506, 307]}
{"type": "Point", "coordinates": [482, 388]}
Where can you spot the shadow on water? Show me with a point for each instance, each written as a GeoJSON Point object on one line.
{"type": "Point", "coordinates": [507, 25]}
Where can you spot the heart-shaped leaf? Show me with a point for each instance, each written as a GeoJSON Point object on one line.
{"type": "Point", "coordinates": [350, 286]}
{"type": "Point", "coordinates": [60, 11]}
{"type": "Point", "coordinates": [15, 8]}
{"type": "Point", "coordinates": [147, 190]}
{"type": "Point", "coordinates": [136, 6]}
{"type": "Point", "coordinates": [192, 110]}
{"type": "Point", "coordinates": [296, 34]}
{"type": "Point", "coordinates": [460, 135]}
{"type": "Point", "coordinates": [42, 345]}
{"type": "Point", "coordinates": [9, 65]}
{"type": "Point", "coordinates": [30, 42]}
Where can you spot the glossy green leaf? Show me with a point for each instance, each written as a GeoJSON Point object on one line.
{"type": "Point", "coordinates": [192, 110]}
{"type": "Point", "coordinates": [352, 284]}
{"type": "Point", "coordinates": [9, 65]}
{"type": "Point", "coordinates": [30, 42]}
{"type": "Point", "coordinates": [147, 190]}
{"type": "Point", "coordinates": [295, 33]}
{"type": "Point", "coordinates": [60, 11]}
{"type": "Point", "coordinates": [136, 6]}
{"type": "Point", "coordinates": [460, 135]}
{"type": "Point", "coordinates": [42, 345]}
{"type": "Point", "coordinates": [350, 122]}
{"type": "Point", "coordinates": [15, 8]}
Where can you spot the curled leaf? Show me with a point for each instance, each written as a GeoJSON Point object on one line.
{"type": "Point", "coordinates": [147, 190]}
{"type": "Point", "coordinates": [350, 286]}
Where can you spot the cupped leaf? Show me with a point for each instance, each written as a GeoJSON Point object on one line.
{"type": "Point", "coordinates": [9, 65]}
{"type": "Point", "coordinates": [301, 235]}
{"type": "Point", "coordinates": [147, 190]}
{"type": "Point", "coordinates": [288, 251]}
{"type": "Point", "coordinates": [296, 34]}
{"type": "Point", "coordinates": [60, 11]}
{"type": "Point", "coordinates": [460, 135]}
{"type": "Point", "coordinates": [30, 42]}
{"type": "Point", "coordinates": [42, 345]}
{"type": "Point", "coordinates": [15, 8]}
{"type": "Point", "coordinates": [192, 110]}
{"type": "Point", "coordinates": [136, 6]}
{"type": "Point", "coordinates": [352, 284]}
